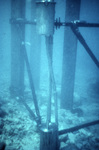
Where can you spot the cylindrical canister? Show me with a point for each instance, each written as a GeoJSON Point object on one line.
{"type": "Point", "coordinates": [45, 17]}
{"type": "Point", "coordinates": [49, 138]}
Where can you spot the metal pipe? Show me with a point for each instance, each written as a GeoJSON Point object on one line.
{"type": "Point", "coordinates": [31, 82]}
{"type": "Point", "coordinates": [83, 42]}
{"type": "Point", "coordinates": [78, 127]}
{"type": "Point", "coordinates": [45, 1]}
{"type": "Point", "coordinates": [49, 47]}
{"type": "Point", "coordinates": [78, 23]}
{"type": "Point", "coordinates": [31, 113]}
{"type": "Point", "coordinates": [50, 0]}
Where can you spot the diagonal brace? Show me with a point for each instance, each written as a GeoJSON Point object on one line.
{"type": "Point", "coordinates": [76, 31]}
{"type": "Point", "coordinates": [31, 83]}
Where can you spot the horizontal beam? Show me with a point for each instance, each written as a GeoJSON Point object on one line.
{"type": "Point", "coordinates": [57, 23]}
{"type": "Point", "coordinates": [21, 21]}
{"type": "Point", "coordinates": [78, 127]}
{"type": "Point", "coordinates": [78, 24]}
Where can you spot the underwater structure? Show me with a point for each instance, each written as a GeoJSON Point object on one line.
{"type": "Point", "coordinates": [57, 118]}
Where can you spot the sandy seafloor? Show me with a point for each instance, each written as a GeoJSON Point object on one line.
{"type": "Point", "coordinates": [19, 131]}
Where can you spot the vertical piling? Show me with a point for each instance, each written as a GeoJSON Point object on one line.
{"type": "Point", "coordinates": [17, 37]}
{"type": "Point", "coordinates": [35, 52]}
{"type": "Point", "coordinates": [69, 55]}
